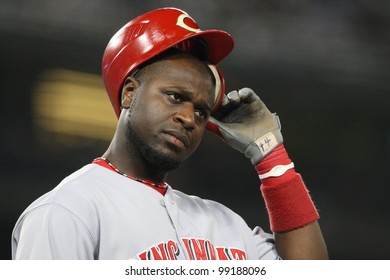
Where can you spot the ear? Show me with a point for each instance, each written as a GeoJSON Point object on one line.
{"type": "Point", "coordinates": [129, 87]}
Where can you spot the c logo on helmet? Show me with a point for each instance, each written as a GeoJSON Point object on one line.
{"type": "Point", "coordinates": [180, 22]}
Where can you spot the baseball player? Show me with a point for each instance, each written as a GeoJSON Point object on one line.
{"type": "Point", "coordinates": [160, 71]}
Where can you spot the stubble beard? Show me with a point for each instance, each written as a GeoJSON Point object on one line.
{"type": "Point", "coordinates": [156, 159]}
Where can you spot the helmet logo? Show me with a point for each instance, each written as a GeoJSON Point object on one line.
{"type": "Point", "coordinates": [182, 24]}
{"type": "Point", "coordinates": [136, 30]}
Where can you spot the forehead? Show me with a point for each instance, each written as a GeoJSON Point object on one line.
{"type": "Point", "coordinates": [184, 70]}
{"type": "Point", "coordinates": [182, 61]}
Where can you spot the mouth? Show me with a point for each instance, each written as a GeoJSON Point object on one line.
{"type": "Point", "coordinates": [177, 138]}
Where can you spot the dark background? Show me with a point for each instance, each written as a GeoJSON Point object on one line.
{"type": "Point", "coordinates": [324, 66]}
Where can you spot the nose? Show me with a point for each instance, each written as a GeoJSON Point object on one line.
{"type": "Point", "coordinates": [186, 116]}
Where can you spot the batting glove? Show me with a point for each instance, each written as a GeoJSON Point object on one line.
{"type": "Point", "coordinates": [245, 123]}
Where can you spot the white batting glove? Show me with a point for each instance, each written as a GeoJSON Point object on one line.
{"type": "Point", "coordinates": [245, 123]}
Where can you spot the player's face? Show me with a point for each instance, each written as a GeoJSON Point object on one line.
{"type": "Point", "coordinates": [169, 112]}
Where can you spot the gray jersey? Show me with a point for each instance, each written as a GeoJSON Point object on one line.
{"type": "Point", "coordinates": [96, 213]}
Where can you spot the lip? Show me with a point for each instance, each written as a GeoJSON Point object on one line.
{"type": "Point", "coordinates": [178, 136]}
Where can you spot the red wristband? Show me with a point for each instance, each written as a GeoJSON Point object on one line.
{"type": "Point", "coordinates": [287, 200]}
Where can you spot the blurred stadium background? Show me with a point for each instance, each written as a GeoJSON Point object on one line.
{"type": "Point", "coordinates": [324, 66]}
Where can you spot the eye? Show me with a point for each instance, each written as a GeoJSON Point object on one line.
{"type": "Point", "coordinates": [174, 96]}
{"type": "Point", "coordinates": [201, 114]}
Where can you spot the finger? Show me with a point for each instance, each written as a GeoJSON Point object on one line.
{"type": "Point", "coordinates": [227, 105]}
{"type": "Point", "coordinates": [247, 95]}
{"type": "Point", "coordinates": [233, 97]}
{"type": "Point", "coordinates": [225, 101]}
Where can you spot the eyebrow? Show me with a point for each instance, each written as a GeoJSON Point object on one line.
{"type": "Point", "coordinates": [204, 105]}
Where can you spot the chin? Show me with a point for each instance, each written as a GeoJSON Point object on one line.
{"type": "Point", "coordinates": [166, 161]}
{"type": "Point", "coordinates": [160, 157]}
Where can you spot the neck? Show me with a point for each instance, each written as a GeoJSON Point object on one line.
{"type": "Point", "coordinates": [108, 164]}
{"type": "Point", "coordinates": [131, 162]}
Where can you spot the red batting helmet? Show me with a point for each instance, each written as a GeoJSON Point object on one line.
{"type": "Point", "coordinates": [149, 35]}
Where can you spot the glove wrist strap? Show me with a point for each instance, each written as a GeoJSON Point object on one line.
{"type": "Point", "coordinates": [287, 200]}
{"type": "Point", "coordinates": [276, 171]}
